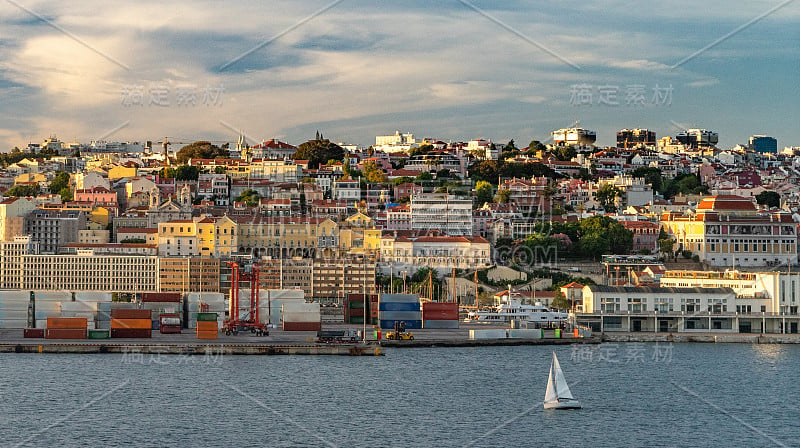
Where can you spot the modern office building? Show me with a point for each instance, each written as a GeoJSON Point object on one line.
{"type": "Point", "coordinates": [763, 143]}
{"type": "Point", "coordinates": [631, 138]}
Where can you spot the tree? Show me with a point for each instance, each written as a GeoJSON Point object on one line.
{"type": "Point", "coordinates": [423, 176]}
{"type": "Point", "coordinates": [502, 196]}
{"type": "Point", "coordinates": [318, 152]}
{"type": "Point", "coordinates": [66, 194]}
{"type": "Point", "coordinates": [560, 301]}
{"type": "Point", "coordinates": [600, 235]}
{"type": "Point", "coordinates": [536, 145]}
{"type": "Point", "coordinates": [219, 170]}
{"type": "Point", "coordinates": [484, 192]}
{"type": "Point", "coordinates": [565, 153]}
{"type": "Point", "coordinates": [443, 173]}
{"type": "Point", "coordinates": [187, 172]}
{"type": "Point", "coordinates": [372, 173]}
{"type": "Point", "coordinates": [249, 197]}
{"type": "Point", "coordinates": [769, 198]}
{"type": "Point", "coordinates": [607, 196]}
{"type": "Point", "coordinates": [20, 191]}
{"type": "Point", "coordinates": [650, 174]}
{"type": "Point", "coordinates": [59, 182]}
{"type": "Point", "coordinates": [666, 245]}
{"type": "Point", "coordinates": [487, 170]}
{"type": "Point", "coordinates": [200, 150]}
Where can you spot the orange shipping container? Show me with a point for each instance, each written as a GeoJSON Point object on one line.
{"type": "Point", "coordinates": [65, 333]}
{"type": "Point", "coordinates": [207, 334]}
{"type": "Point", "coordinates": [67, 322]}
{"type": "Point", "coordinates": [206, 326]}
{"type": "Point", "coordinates": [130, 314]}
{"type": "Point", "coordinates": [136, 324]}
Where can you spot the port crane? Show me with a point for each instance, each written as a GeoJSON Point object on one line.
{"type": "Point", "coordinates": [235, 322]}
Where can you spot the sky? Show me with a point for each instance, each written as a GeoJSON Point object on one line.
{"type": "Point", "coordinates": [447, 69]}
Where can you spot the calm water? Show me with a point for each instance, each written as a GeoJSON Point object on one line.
{"type": "Point", "coordinates": [633, 395]}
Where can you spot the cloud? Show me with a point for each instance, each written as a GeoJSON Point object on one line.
{"type": "Point", "coordinates": [703, 82]}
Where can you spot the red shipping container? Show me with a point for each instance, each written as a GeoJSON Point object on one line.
{"type": "Point", "coordinates": [65, 333]}
{"type": "Point", "coordinates": [33, 333]}
{"type": "Point", "coordinates": [130, 314]}
{"type": "Point", "coordinates": [166, 297]}
{"type": "Point", "coordinates": [66, 322]}
{"type": "Point", "coordinates": [131, 333]}
{"type": "Point", "coordinates": [138, 324]}
{"type": "Point", "coordinates": [302, 326]}
{"type": "Point", "coordinates": [439, 311]}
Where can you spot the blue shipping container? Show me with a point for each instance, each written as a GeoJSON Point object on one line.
{"type": "Point", "coordinates": [410, 324]}
{"type": "Point", "coordinates": [398, 306]}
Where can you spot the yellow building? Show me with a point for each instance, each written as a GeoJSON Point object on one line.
{"type": "Point", "coordinates": [120, 171]}
{"type": "Point", "coordinates": [728, 231]}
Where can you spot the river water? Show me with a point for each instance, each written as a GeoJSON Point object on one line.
{"type": "Point", "coordinates": [633, 395]}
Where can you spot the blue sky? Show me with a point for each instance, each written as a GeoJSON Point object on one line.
{"type": "Point", "coordinates": [447, 69]}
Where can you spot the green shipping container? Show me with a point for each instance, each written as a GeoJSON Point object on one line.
{"type": "Point", "coordinates": [356, 319]}
{"type": "Point", "coordinates": [99, 334]}
{"type": "Point", "coordinates": [206, 317]}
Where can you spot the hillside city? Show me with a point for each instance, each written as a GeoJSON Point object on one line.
{"type": "Point", "coordinates": [704, 236]}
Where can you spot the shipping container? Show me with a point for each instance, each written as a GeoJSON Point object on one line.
{"type": "Point", "coordinates": [131, 333]}
{"type": "Point", "coordinates": [33, 333]}
{"type": "Point", "coordinates": [356, 320]}
{"type": "Point", "coordinates": [130, 314]}
{"type": "Point", "coordinates": [206, 317]}
{"type": "Point", "coordinates": [398, 306]}
{"type": "Point", "coordinates": [399, 298]}
{"type": "Point", "coordinates": [52, 296]}
{"type": "Point", "coordinates": [93, 297]}
{"type": "Point", "coordinates": [440, 324]}
{"type": "Point", "coordinates": [99, 334]}
{"type": "Point", "coordinates": [302, 326]}
{"type": "Point", "coordinates": [164, 297]}
{"type": "Point", "coordinates": [410, 324]}
{"type": "Point", "coordinates": [79, 307]}
{"type": "Point", "coordinates": [67, 322]}
{"type": "Point", "coordinates": [207, 335]}
{"type": "Point", "coordinates": [487, 334]}
{"type": "Point", "coordinates": [400, 315]}
{"type": "Point", "coordinates": [14, 323]}
{"type": "Point", "coordinates": [439, 311]}
{"type": "Point", "coordinates": [134, 324]}
{"type": "Point", "coordinates": [207, 326]}
{"type": "Point", "coordinates": [65, 333]}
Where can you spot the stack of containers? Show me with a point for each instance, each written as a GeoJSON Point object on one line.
{"type": "Point", "coordinates": [161, 303]}
{"type": "Point", "coordinates": [102, 319]}
{"type": "Point", "coordinates": [14, 309]}
{"type": "Point", "coordinates": [130, 323]}
{"type": "Point", "coordinates": [270, 303]}
{"type": "Point", "coordinates": [207, 302]}
{"type": "Point", "coordinates": [48, 304]}
{"type": "Point", "coordinates": [207, 327]}
{"type": "Point", "coordinates": [301, 317]}
{"type": "Point", "coordinates": [66, 328]}
{"type": "Point", "coordinates": [354, 309]}
{"type": "Point", "coordinates": [437, 315]}
{"type": "Point", "coordinates": [399, 308]}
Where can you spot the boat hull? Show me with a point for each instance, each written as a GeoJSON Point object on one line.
{"type": "Point", "coordinates": [563, 404]}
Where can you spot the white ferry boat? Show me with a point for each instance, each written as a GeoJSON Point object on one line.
{"type": "Point", "coordinates": [513, 309]}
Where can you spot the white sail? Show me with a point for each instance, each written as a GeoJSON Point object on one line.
{"type": "Point", "coordinates": [550, 393]}
{"type": "Point", "coordinates": [562, 390]}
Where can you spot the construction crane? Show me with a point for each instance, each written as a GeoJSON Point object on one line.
{"type": "Point", "coordinates": [235, 322]}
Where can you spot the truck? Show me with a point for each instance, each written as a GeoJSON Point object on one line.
{"type": "Point", "coordinates": [338, 336]}
{"type": "Point", "coordinates": [400, 336]}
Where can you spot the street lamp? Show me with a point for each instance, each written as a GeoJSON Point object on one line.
{"type": "Point", "coordinates": [404, 280]}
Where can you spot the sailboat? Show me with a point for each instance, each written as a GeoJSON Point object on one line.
{"type": "Point", "coordinates": [558, 395]}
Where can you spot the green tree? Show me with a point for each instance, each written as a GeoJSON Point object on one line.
{"type": "Point", "coordinates": [565, 153]}
{"type": "Point", "coordinates": [560, 301]}
{"type": "Point", "coordinates": [423, 176]}
{"type": "Point", "coordinates": [59, 182]}
{"type": "Point", "coordinates": [249, 197]}
{"type": "Point", "coordinates": [66, 194]}
{"type": "Point", "coordinates": [201, 150]}
{"type": "Point", "coordinates": [536, 145]}
{"type": "Point", "coordinates": [666, 245]}
{"type": "Point", "coordinates": [219, 170]}
{"type": "Point", "coordinates": [607, 197]}
{"type": "Point", "coordinates": [443, 173]}
{"type": "Point", "coordinates": [487, 170]}
{"type": "Point", "coordinates": [484, 192]}
{"type": "Point", "coordinates": [601, 235]}
{"type": "Point", "coordinates": [372, 173]}
{"type": "Point", "coordinates": [187, 172]}
{"type": "Point", "coordinates": [651, 175]}
{"type": "Point", "coordinates": [503, 195]}
{"type": "Point", "coordinates": [19, 191]}
{"type": "Point", "coordinates": [318, 152]}
{"type": "Point", "coordinates": [769, 198]}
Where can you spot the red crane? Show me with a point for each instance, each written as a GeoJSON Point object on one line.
{"type": "Point", "coordinates": [251, 321]}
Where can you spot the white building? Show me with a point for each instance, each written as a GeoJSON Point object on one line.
{"type": "Point", "coordinates": [347, 190]}
{"type": "Point", "coordinates": [438, 252]}
{"type": "Point", "coordinates": [89, 272]}
{"type": "Point", "coordinates": [442, 212]}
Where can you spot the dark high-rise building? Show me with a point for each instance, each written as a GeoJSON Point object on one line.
{"type": "Point", "coordinates": [763, 143]}
{"type": "Point", "coordinates": [630, 138]}
{"type": "Point", "coordinates": [698, 138]}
